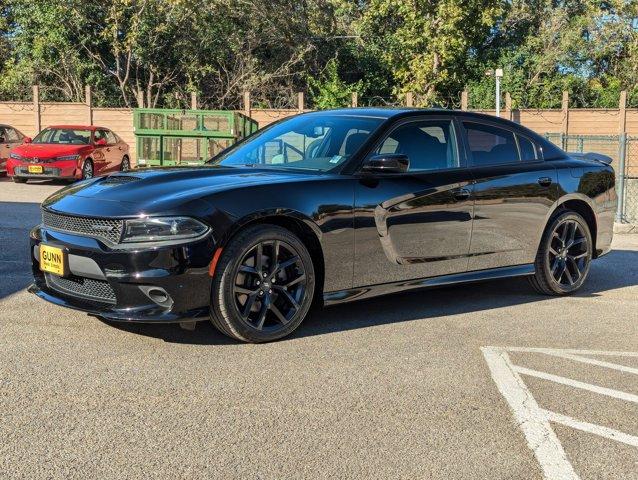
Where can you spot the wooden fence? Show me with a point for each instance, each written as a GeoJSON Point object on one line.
{"type": "Point", "coordinates": [31, 117]}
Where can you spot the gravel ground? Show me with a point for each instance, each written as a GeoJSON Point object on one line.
{"type": "Point", "coordinates": [394, 387]}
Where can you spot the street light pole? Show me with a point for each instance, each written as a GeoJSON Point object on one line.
{"type": "Point", "coordinates": [498, 73]}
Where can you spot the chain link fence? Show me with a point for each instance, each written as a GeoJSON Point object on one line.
{"type": "Point", "coordinates": [623, 150]}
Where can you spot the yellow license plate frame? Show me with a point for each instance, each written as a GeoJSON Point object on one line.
{"type": "Point", "coordinates": [53, 260]}
{"type": "Point", "coordinates": [35, 169]}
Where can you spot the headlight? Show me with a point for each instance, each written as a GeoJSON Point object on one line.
{"type": "Point", "coordinates": [15, 156]}
{"type": "Point", "coordinates": [66, 157]}
{"type": "Point", "coordinates": [162, 229]}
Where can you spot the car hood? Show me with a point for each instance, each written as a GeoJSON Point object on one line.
{"type": "Point", "coordinates": [159, 190]}
{"type": "Point", "coordinates": [47, 150]}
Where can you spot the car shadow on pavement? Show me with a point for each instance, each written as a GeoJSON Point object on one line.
{"type": "Point", "coordinates": [16, 220]}
{"type": "Point", "coordinates": [608, 273]}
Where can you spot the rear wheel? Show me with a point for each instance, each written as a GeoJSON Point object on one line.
{"type": "Point", "coordinates": [564, 257]}
{"type": "Point", "coordinates": [263, 285]}
{"type": "Point", "coordinates": [19, 180]}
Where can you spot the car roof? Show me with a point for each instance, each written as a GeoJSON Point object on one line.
{"type": "Point", "coordinates": [79, 127]}
{"type": "Point", "coordinates": [388, 113]}
{"type": "Point", "coordinates": [392, 112]}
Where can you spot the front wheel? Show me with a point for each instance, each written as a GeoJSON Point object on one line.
{"type": "Point", "coordinates": [87, 170]}
{"type": "Point", "coordinates": [564, 256]}
{"type": "Point", "coordinates": [125, 166]}
{"type": "Point", "coordinates": [263, 285]}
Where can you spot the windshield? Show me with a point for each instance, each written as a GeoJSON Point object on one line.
{"type": "Point", "coordinates": [67, 136]}
{"type": "Point", "coordinates": [312, 142]}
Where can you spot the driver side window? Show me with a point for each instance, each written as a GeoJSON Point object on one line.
{"type": "Point", "coordinates": [429, 144]}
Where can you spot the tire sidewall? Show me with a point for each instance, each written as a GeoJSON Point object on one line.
{"type": "Point", "coordinates": [223, 305]}
{"type": "Point", "coordinates": [560, 219]}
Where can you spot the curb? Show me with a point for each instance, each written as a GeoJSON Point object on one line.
{"type": "Point", "coordinates": [625, 228]}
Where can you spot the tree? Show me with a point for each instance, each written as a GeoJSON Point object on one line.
{"type": "Point", "coordinates": [428, 44]}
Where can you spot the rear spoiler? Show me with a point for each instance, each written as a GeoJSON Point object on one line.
{"type": "Point", "coordinates": [599, 157]}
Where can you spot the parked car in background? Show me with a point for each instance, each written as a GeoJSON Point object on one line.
{"type": "Point", "coordinates": [71, 152]}
{"type": "Point", "coordinates": [9, 138]}
{"type": "Point", "coordinates": [334, 206]}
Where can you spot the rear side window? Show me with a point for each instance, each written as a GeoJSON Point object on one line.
{"type": "Point", "coordinates": [527, 148]}
{"type": "Point", "coordinates": [100, 135]}
{"type": "Point", "coordinates": [12, 135]}
{"type": "Point", "coordinates": [110, 137]}
{"type": "Point", "coordinates": [491, 145]}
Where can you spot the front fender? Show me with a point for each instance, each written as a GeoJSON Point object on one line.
{"type": "Point", "coordinates": [260, 215]}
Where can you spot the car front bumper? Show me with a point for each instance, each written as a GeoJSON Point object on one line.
{"type": "Point", "coordinates": [60, 169]}
{"type": "Point", "coordinates": [123, 285]}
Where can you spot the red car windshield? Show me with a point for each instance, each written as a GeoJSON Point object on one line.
{"type": "Point", "coordinates": [64, 136]}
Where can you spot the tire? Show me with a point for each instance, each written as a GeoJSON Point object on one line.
{"type": "Point", "coordinates": [125, 166]}
{"type": "Point", "coordinates": [257, 304]}
{"type": "Point", "coordinates": [87, 170]}
{"type": "Point", "coordinates": [19, 180]}
{"type": "Point", "coordinates": [564, 257]}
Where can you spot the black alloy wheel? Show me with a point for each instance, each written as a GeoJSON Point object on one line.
{"type": "Point", "coordinates": [264, 284]}
{"type": "Point", "coordinates": [564, 259]}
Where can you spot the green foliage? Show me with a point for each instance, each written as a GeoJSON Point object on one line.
{"type": "Point", "coordinates": [164, 49]}
{"type": "Point", "coordinates": [427, 45]}
{"type": "Point", "coordinates": [329, 90]}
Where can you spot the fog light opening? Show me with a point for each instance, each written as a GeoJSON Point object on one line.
{"type": "Point", "coordinates": [157, 295]}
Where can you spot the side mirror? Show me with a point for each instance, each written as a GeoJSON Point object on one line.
{"type": "Point", "coordinates": [387, 163]}
{"type": "Point", "coordinates": [101, 142]}
{"type": "Point", "coordinates": [27, 140]}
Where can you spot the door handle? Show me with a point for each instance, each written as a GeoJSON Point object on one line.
{"type": "Point", "coordinates": [461, 194]}
{"type": "Point", "coordinates": [545, 181]}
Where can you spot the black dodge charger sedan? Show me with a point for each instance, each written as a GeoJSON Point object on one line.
{"type": "Point", "coordinates": [326, 207]}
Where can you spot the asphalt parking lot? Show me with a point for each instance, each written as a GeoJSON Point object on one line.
{"type": "Point", "coordinates": [483, 381]}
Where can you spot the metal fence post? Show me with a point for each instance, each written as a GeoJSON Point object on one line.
{"type": "Point", "coordinates": [622, 154]}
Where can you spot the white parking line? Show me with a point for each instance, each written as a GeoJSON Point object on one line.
{"type": "Point", "coordinates": [535, 421]}
{"type": "Point", "coordinates": [629, 397]}
{"type": "Point", "coordinates": [599, 430]}
{"type": "Point", "coordinates": [540, 437]}
{"type": "Point", "coordinates": [593, 361]}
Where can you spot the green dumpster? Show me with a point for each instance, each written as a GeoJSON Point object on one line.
{"type": "Point", "coordinates": [166, 137]}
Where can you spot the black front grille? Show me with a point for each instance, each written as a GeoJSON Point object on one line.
{"type": "Point", "coordinates": [86, 288]}
{"type": "Point", "coordinates": [105, 228]}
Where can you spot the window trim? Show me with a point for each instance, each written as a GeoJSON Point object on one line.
{"type": "Point", "coordinates": [460, 145]}
{"type": "Point", "coordinates": [538, 150]}
{"type": "Point", "coordinates": [510, 128]}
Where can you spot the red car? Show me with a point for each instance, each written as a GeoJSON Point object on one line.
{"type": "Point", "coordinates": [68, 152]}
